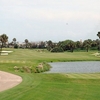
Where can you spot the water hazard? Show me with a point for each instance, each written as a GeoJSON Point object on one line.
{"type": "Point", "coordinates": [75, 67]}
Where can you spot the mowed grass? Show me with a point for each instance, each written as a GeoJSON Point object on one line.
{"type": "Point", "coordinates": [53, 87]}
{"type": "Point", "coordinates": [26, 55]}
{"type": "Point", "coordinates": [42, 86]}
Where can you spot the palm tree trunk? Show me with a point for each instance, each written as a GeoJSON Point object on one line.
{"type": "Point", "coordinates": [1, 49]}
{"type": "Point", "coordinates": [87, 49]}
{"type": "Point", "coordinates": [99, 45]}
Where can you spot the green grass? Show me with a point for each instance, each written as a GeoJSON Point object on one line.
{"type": "Point", "coordinates": [42, 86]}
{"type": "Point", "coordinates": [25, 55]}
{"type": "Point", "coordinates": [53, 86]}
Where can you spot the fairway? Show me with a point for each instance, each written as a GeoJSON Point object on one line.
{"type": "Point", "coordinates": [46, 86]}
{"type": "Point", "coordinates": [83, 76]}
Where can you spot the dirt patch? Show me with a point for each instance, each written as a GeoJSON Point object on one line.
{"type": "Point", "coordinates": [8, 80]}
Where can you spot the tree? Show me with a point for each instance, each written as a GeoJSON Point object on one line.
{"type": "Point", "coordinates": [71, 45]}
{"type": "Point", "coordinates": [26, 41]}
{"type": "Point", "coordinates": [49, 45]}
{"type": "Point", "coordinates": [57, 49]}
{"type": "Point", "coordinates": [0, 43]}
{"type": "Point", "coordinates": [62, 44]}
{"type": "Point", "coordinates": [33, 45]}
{"type": "Point", "coordinates": [99, 40]}
{"type": "Point", "coordinates": [98, 35]}
{"type": "Point", "coordinates": [67, 45]}
{"type": "Point", "coordinates": [14, 40]}
{"type": "Point", "coordinates": [3, 40]}
{"type": "Point", "coordinates": [87, 44]}
{"type": "Point", "coordinates": [78, 44]}
{"type": "Point", "coordinates": [94, 45]}
{"type": "Point", "coordinates": [14, 43]}
{"type": "Point", "coordinates": [41, 45]}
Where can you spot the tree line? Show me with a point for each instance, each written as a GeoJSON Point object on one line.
{"type": "Point", "coordinates": [61, 46]}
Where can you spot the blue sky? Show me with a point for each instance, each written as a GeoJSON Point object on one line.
{"type": "Point", "coordinates": [56, 20]}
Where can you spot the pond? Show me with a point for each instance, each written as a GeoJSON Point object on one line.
{"type": "Point", "coordinates": [75, 67]}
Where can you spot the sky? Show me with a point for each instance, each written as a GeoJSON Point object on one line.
{"type": "Point", "coordinates": [56, 20]}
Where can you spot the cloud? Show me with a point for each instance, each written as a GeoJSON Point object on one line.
{"type": "Point", "coordinates": [48, 18]}
{"type": "Point", "coordinates": [51, 10]}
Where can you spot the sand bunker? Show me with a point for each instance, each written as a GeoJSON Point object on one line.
{"type": "Point", "coordinates": [5, 52]}
{"type": "Point", "coordinates": [8, 80]}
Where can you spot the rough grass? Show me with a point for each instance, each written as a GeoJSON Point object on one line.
{"type": "Point", "coordinates": [44, 86]}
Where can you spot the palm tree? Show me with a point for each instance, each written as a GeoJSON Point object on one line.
{"type": "Point", "coordinates": [98, 35]}
{"type": "Point", "coordinates": [78, 44]}
{"type": "Point", "coordinates": [87, 44]}
{"type": "Point", "coordinates": [67, 45]}
{"type": "Point", "coordinates": [71, 45]}
{"type": "Point", "coordinates": [94, 44]}
{"type": "Point", "coordinates": [0, 43]}
{"type": "Point", "coordinates": [99, 40]}
{"type": "Point", "coordinates": [14, 40]}
{"type": "Point", "coordinates": [49, 45]}
{"type": "Point", "coordinates": [26, 41]}
{"type": "Point", "coordinates": [3, 40]}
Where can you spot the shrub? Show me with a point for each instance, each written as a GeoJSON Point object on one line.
{"type": "Point", "coordinates": [46, 66]}
{"type": "Point", "coordinates": [34, 70]}
{"type": "Point", "coordinates": [16, 46]}
{"type": "Point", "coordinates": [42, 67]}
{"type": "Point", "coordinates": [38, 70]}
{"type": "Point", "coordinates": [57, 49]}
{"type": "Point", "coordinates": [94, 48]}
{"type": "Point", "coordinates": [27, 69]}
{"type": "Point", "coordinates": [21, 70]}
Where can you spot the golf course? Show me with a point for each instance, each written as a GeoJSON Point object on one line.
{"type": "Point", "coordinates": [49, 86]}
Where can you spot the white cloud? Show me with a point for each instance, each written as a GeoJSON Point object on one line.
{"type": "Point", "coordinates": [51, 10]}
{"type": "Point", "coordinates": [48, 17]}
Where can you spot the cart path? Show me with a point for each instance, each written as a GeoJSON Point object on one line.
{"type": "Point", "coordinates": [8, 80]}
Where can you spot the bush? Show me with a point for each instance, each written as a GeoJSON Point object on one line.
{"type": "Point", "coordinates": [46, 67]}
{"type": "Point", "coordinates": [21, 70]}
{"type": "Point", "coordinates": [42, 67]}
{"type": "Point", "coordinates": [38, 70]}
{"type": "Point", "coordinates": [49, 48]}
{"type": "Point", "coordinates": [94, 48]}
{"type": "Point", "coordinates": [57, 49]}
{"type": "Point", "coordinates": [16, 46]}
